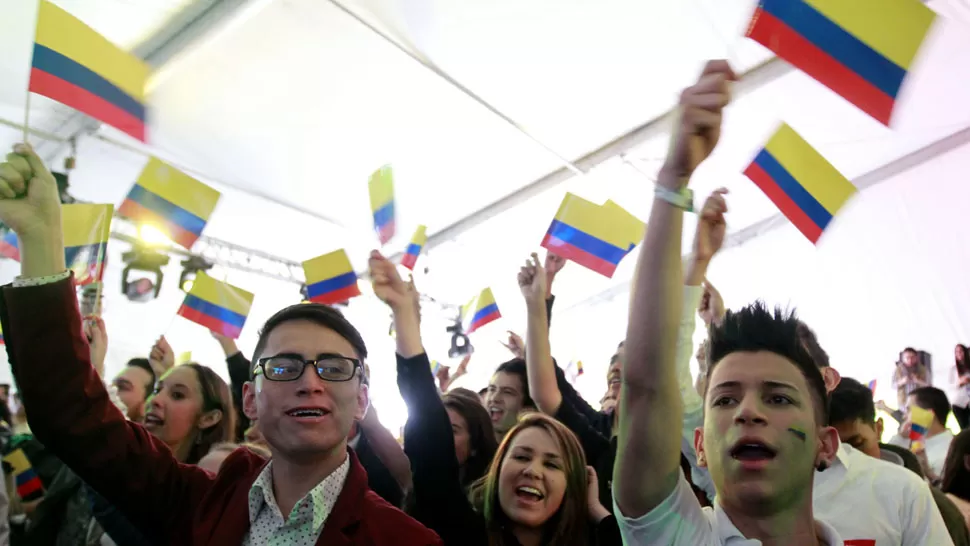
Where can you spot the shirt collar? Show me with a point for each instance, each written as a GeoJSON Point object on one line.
{"type": "Point", "coordinates": [261, 494]}
{"type": "Point", "coordinates": [731, 536]}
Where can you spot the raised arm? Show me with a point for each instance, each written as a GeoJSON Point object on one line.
{"type": "Point", "coordinates": [538, 355]}
{"type": "Point", "coordinates": [648, 458]}
{"type": "Point", "coordinates": [439, 499]}
{"type": "Point", "coordinates": [72, 415]}
{"type": "Point", "coordinates": [385, 446]}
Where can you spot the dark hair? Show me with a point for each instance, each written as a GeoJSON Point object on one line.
{"type": "Point", "coordinates": [516, 366]}
{"type": "Point", "coordinates": [569, 525]}
{"type": "Point", "coordinates": [956, 477]}
{"type": "Point", "coordinates": [810, 341]}
{"type": "Point", "coordinates": [933, 399]}
{"type": "Point", "coordinates": [910, 350]}
{"type": "Point", "coordinates": [144, 364]}
{"type": "Point", "coordinates": [756, 328]}
{"type": "Point", "coordinates": [215, 396]}
{"type": "Point", "coordinates": [481, 436]}
{"type": "Point", "coordinates": [963, 366]}
{"type": "Point", "coordinates": [322, 315]}
{"type": "Point", "coordinates": [851, 400]}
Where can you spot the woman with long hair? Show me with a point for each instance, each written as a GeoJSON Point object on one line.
{"type": "Point", "coordinates": [956, 474]}
{"type": "Point", "coordinates": [190, 411]}
{"type": "Point", "coordinates": [535, 490]}
{"type": "Point", "coordinates": [475, 443]}
{"type": "Point", "coordinates": [960, 378]}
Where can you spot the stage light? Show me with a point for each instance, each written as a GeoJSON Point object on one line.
{"type": "Point", "coordinates": [460, 344]}
{"type": "Point", "coordinates": [148, 261]}
{"type": "Point", "coordinates": [190, 268]}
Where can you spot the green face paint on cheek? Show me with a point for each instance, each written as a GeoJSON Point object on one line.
{"type": "Point", "coordinates": [797, 432]}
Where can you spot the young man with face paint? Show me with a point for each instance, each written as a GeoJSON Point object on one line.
{"type": "Point", "coordinates": [762, 385]}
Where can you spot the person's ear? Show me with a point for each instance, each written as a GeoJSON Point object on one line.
{"type": "Point", "coordinates": [210, 419]}
{"type": "Point", "coordinates": [879, 428]}
{"type": "Point", "coordinates": [699, 447]}
{"type": "Point", "coordinates": [363, 402]}
{"type": "Point", "coordinates": [832, 378]}
{"type": "Point", "coordinates": [827, 447]}
{"type": "Point", "coordinates": [249, 399]}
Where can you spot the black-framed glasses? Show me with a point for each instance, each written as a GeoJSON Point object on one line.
{"type": "Point", "coordinates": [333, 368]}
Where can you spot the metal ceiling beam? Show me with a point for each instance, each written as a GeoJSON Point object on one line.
{"type": "Point", "coordinates": [872, 178]}
{"type": "Point", "coordinates": [752, 80]}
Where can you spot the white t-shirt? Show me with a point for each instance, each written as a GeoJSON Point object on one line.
{"type": "Point", "coordinates": [680, 521]}
{"type": "Point", "coordinates": [877, 503]}
{"type": "Point", "coordinates": [937, 448]}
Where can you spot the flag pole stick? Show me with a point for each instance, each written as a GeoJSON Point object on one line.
{"type": "Point", "coordinates": [27, 118]}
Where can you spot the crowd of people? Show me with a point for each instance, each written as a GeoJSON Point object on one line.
{"type": "Point", "coordinates": [769, 445]}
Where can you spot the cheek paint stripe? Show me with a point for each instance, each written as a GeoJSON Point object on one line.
{"type": "Point", "coordinates": [801, 435]}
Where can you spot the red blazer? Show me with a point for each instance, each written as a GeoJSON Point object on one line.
{"type": "Point", "coordinates": [70, 413]}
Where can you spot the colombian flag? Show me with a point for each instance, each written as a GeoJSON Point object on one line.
{"type": "Point", "coordinates": [171, 200]}
{"type": "Point", "coordinates": [29, 486]}
{"type": "Point", "coordinates": [414, 249]}
{"type": "Point", "coordinates": [435, 367]}
{"type": "Point", "coordinates": [589, 235]}
{"type": "Point", "coordinates": [920, 421]}
{"type": "Point", "coordinates": [330, 278]}
{"type": "Point", "coordinates": [861, 49]}
{"type": "Point", "coordinates": [381, 189]}
{"type": "Point", "coordinates": [219, 306]}
{"type": "Point", "coordinates": [78, 67]}
{"type": "Point", "coordinates": [9, 247]}
{"type": "Point", "coordinates": [801, 183]}
{"type": "Point", "coordinates": [480, 311]}
{"type": "Point", "coordinates": [632, 226]}
{"type": "Point", "coordinates": [872, 386]}
{"type": "Point", "coordinates": [86, 232]}
{"type": "Point", "coordinates": [2, 342]}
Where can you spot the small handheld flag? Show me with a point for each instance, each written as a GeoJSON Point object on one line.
{"type": "Point", "coordinates": [435, 367]}
{"type": "Point", "coordinates": [872, 386]}
{"type": "Point", "coordinates": [861, 49]}
{"type": "Point", "coordinates": [381, 189]}
{"type": "Point", "coordinates": [805, 187]}
{"type": "Point", "coordinates": [29, 486]}
{"type": "Point", "coordinates": [217, 305]}
{"type": "Point", "coordinates": [480, 311]}
{"type": "Point", "coordinates": [184, 358]}
{"type": "Point", "coordinates": [78, 67]}
{"type": "Point", "coordinates": [589, 235]}
{"type": "Point", "coordinates": [632, 226]}
{"type": "Point", "coordinates": [920, 420]}
{"type": "Point", "coordinates": [330, 278]}
{"type": "Point", "coordinates": [414, 249]}
{"type": "Point", "coordinates": [9, 248]}
{"type": "Point", "coordinates": [86, 230]}
{"type": "Point", "coordinates": [2, 342]}
{"type": "Point", "coordinates": [171, 200]}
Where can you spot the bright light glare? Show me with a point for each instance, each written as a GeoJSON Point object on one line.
{"type": "Point", "coordinates": [152, 235]}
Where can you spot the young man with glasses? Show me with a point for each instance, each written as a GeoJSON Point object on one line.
{"type": "Point", "coordinates": [305, 394]}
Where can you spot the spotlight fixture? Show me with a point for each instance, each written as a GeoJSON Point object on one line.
{"type": "Point", "coordinates": [148, 261]}
{"type": "Point", "coordinates": [460, 344]}
{"type": "Point", "coordinates": [190, 268]}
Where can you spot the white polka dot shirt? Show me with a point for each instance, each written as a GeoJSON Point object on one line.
{"type": "Point", "coordinates": [302, 528]}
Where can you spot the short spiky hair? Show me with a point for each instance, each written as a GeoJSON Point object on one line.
{"type": "Point", "coordinates": [851, 400]}
{"type": "Point", "coordinates": [756, 328]}
{"type": "Point", "coordinates": [320, 314]}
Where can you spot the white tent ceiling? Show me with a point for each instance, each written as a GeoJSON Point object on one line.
{"type": "Point", "coordinates": [288, 105]}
